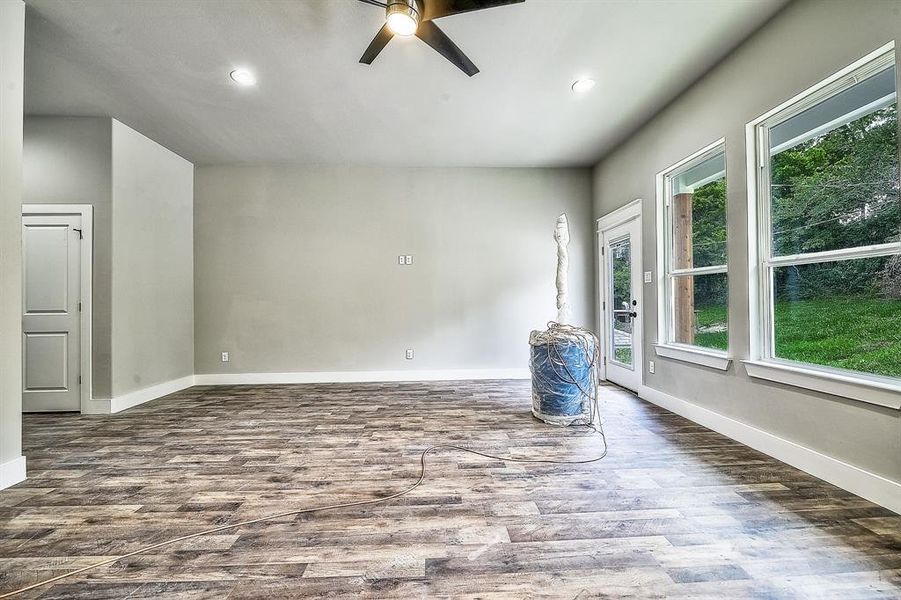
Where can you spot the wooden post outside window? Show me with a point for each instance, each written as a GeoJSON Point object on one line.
{"type": "Point", "coordinates": [683, 287]}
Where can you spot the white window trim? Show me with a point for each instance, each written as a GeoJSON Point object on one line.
{"type": "Point", "coordinates": [665, 347]}
{"type": "Point", "coordinates": [695, 355]}
{"type": "Point", "coordinates": [874, 390]}
{"type": "Point", "coordinates": [881, 391]}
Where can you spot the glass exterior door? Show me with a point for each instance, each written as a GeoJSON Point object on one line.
{"type": "Point", "coordinates": [620, 304]}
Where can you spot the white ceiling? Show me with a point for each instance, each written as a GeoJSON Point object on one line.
{"type": "Point", "coordinates": [162, 68]}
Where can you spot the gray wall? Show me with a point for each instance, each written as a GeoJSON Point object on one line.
{"type": "Point", "coordinates": [805, 43]}
{"type": "Point", "coordinates": [68, 160]}
{"type": "Point", "coordinates": [142, 194]}
{"type": "Point", "coordinates": [153, 265]}
{"type": "Point", "coordinates": [12, 46]}
{"type": "Point", "coordinates": [296, 267]}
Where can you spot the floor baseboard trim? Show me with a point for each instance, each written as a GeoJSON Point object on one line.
{"type": "Point", "coordinates": [865, 484]}
{"type": "Point", "coordinates": [131, 399]}
{"type": "Point", "coordinates": [358, 376]}
{"type": "Point", "coordinates": [12, 472]}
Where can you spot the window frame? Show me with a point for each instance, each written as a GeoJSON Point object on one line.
{"type": "Point", "coordinates": [763, 362]}
{"type": "Point", "coordinates": [666, 345]}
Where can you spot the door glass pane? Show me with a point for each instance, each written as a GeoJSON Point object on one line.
{"type": "Point", "coordinates": [700, 310]}
{"type": "Point", "coordinates": [621, 300]}
{"type": "Point", "coordinates": [844, 314]}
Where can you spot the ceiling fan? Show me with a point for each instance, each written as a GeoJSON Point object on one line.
{"type": "Point", "coordinates": [416, 17]}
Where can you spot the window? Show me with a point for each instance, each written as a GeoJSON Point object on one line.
{"type": "Point", "coordinates": [829, 226]}
{"type": "Point", "coordinates": [695, 282]}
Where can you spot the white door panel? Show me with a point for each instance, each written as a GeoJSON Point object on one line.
{"type": "Point", "coordinates": [51, 254]}
{"type": "Point", "coordinates": [46, 263]}
{"type": "Point", "coordinates": [47, 366]}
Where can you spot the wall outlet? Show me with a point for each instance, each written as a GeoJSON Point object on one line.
{"type": "Point", "coordinates": [647, 277]}
{"type": "Point", "coordinates": [650, 366]}
{"type": "Point", "coordinates": [409, 354]}
{"type": "Point", "coordinates": [224, 357]}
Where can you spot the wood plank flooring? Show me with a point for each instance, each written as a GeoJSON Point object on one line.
{"type": "Point", "coordinates": [674, 511]}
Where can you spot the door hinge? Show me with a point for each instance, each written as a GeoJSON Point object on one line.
{"type": "Point", "coordinates": [603, 248]}
{"type": "Point", "coordinates": [80, 236]}
{"type": "Point", "coordinates": [603, 305]}
{"type": "Point", "coordinates": [79, 307]}
{"type": "Point", "coordinates": [79, 380]}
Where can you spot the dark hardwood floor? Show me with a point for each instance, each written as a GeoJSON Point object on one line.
{"type": "Point", "coordinates": [674, 511]}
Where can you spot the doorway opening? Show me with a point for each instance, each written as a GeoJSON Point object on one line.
{"type": "Point", "coordinates": [57, 258]}
{"type": "Point", "coordinates": [620, 303]}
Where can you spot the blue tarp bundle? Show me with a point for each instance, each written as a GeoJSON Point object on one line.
{"type": "Point", "coordinates": [563, 368]}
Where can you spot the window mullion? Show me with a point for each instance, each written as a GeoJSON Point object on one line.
{"type": "Point", "coordinates": [873, 251]}
{"type": "Point", "coordinates": [699, 271]}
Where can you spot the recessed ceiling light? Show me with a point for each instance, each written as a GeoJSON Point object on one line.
{"type": "Point", "coordinates": [243, 77]}
{"type": "Point", "coordinates": [580, 86]}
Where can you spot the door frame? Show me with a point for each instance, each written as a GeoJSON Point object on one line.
{"type": "Point", "coordinates": [86, 211]}
{"type": "Point", "coordinates": [615, 218]}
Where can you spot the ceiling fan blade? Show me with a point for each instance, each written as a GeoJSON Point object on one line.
{"type": "Point", "coordinates": [435, 9]}
{"type": "Point", "coordinates": [375, 3]}
{"type": "Point", "coordinates": [429, 33]}
{"type": "Point", "coordinates": [380, 40]}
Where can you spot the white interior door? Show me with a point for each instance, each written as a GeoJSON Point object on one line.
{"type": "Point", "coordinates": [51, 284]}
{"type": "Point", "coordinates": [621, 253]}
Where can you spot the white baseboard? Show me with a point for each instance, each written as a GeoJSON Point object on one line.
{"type": "Point", "coordinates": [357, 376]}
{"type": "Point", "coordinates": [126, 401]}
{"type": "Point", "coordinates": [12, 472]}
{"type": "Point", "coordinates": [871, 486]}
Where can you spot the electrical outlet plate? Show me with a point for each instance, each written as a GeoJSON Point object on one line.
{"type": "Point", "coordinates": [647, 277]}
{"type": "Point", "coordinates": [650, 366]}
{"type": "Point", "coordinates": [408, 259]}
{"type": "Point", "coordinates": [409, 354]}
{"type": "Point", "coordinates": [224, 357]}
{"type": "Point", "coordinates": [401, 259]}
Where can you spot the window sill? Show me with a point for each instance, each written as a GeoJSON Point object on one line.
{"type": "Point", "coordinates": [714, 360]}
{"type": "Point", "coordinates": [874, 391]}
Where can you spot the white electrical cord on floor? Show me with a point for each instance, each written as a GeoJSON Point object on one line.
{"type": "Point", "coordinates": [108, 561]}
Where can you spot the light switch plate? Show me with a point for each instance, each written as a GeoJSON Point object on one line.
{"type": "Point", "coordinates": [408, 259]}
{"type": "Point", "coordinates": [647, 277]}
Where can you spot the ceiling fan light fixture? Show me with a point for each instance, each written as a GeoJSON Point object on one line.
{"type": "Point", "coordinates": [402, 17]}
